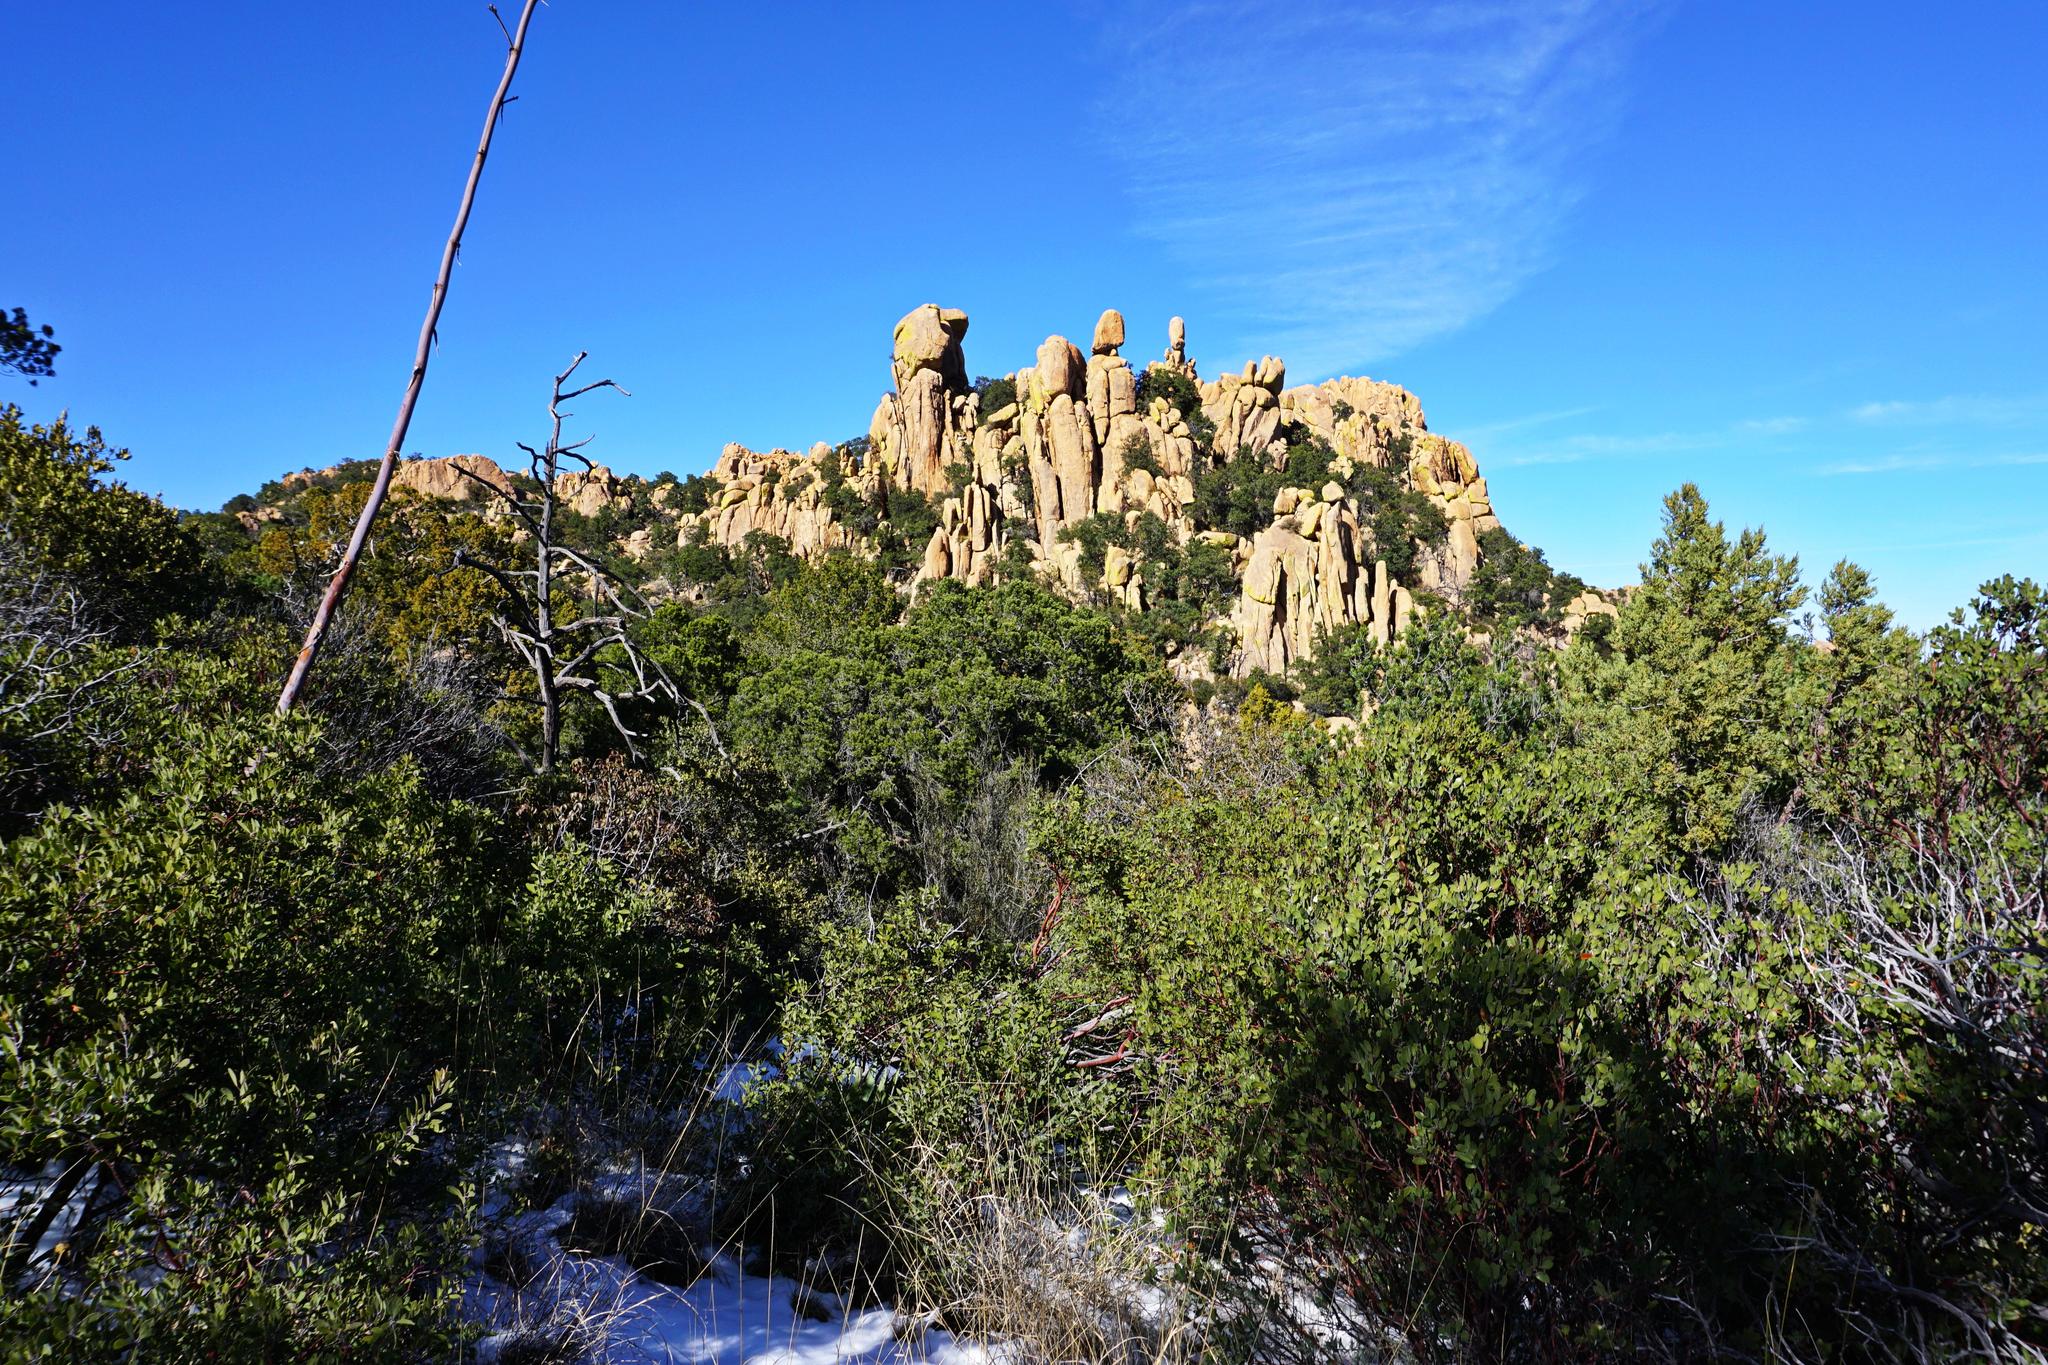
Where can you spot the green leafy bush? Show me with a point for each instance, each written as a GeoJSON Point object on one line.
{"type": "Point", "coordinates": [993, 395]}
{"type": "Point", "coordinates": [126, 551]}
{"type": "Point", "coordinates": [1237, 495]}
{"type": "Point", "coordinates": [245, 995]}
{"type": "Point", "coordinates": [1431, 667]}
{"type": "Point", "coordinates": [1095, 534]}
{"type": "Point", "coordinates": [1686, 701]}
{"type": "Point", "coordinates": [693, 495]}
{"type": "Point", "coordinates": [1136, 453]}
{"type": "Point", "coordinates": [905, 521]}
{"type": "Point", "coordinates": [877, 729]}
{"type": "Point", "coordinates": [1514, 586]}
{"type": "Point", "coordinates": [211, 980]}
{"type": "Point", "coordinates": [1181, 393]}
{"type": "Point", "coordinates": [1184, 396]}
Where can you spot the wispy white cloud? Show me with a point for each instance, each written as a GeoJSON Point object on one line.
{"type": "Point", "coordinates": [1955, 410]}
{"type": "Point", "coordinates": [1954, 543]}
{"type": "Point", "coordinates": [1755, 436]}
{"type": "Point", "coordinates": [1506, 426]}
{"type": "Point", "coordinates": [1772, 426]}
{"type": "Point", "coordinates": [1594, 446]}
{"type": "Point", "coordinates": [1523, 448]}
{"type": "Point", "coordinates": [1894, 464]}
{"type": "Point", "coordinates": [1345, 182]}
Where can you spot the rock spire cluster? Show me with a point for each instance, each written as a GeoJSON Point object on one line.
{"type": "Point", "coordinates": [1075, 436]}
{"type": "Point", "coordinates": [1077, 442]}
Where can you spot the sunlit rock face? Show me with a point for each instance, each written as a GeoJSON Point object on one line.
{"type": "Point", "coordinates": [1074, 436]}
{"type": "Point", "coordinates": [1077, 442]}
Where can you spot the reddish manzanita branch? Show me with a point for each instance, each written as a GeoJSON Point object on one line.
{"type": "Point", "coordinates": [336, 586]}
{"type": "Point", "coordinates": [1052, 915]}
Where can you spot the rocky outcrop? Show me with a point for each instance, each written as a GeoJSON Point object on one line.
{"type": "Point", "coordinates": [461, 478]}
{"type": "Point", "coordinates": [1086, 437]}
{"type": "Point", "coordinates": [779, 493]}
{"type": "Point", "coordinates": [1176, 357]}
{"type": "Point", "coordinates": [254, 519]}
{"type": "Point", "coordinates": [457, 478]}
{"type": "Point", "coordinates": [589, 492]}
{"type": "Point", "coordinates": [1583, 608]}
{"type": "Point", "coordinates": [1310, 572]}
{"type": "Point", "coordinates": [1079, 443]}
{"type": "Point", "coordinates": [1077, 436]}
{"type": "Point", "coordinates": [914, 433]}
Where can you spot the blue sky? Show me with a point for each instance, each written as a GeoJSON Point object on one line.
{"type": "Point", "coordinates": [1791, 252]}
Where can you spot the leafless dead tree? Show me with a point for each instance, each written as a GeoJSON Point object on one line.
{"type": "Point", "coordinates": [1942, 947]}
{"type": "Point", "coordinates": [44, 629]}
{"type": "Point", "coordinates": [567, 653]}
{"type": "Point", "coordinates": [515, 43]}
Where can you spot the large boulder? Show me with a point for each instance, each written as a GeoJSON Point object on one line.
{"type": "Point", "coordinates": [928, 338]}
{"type": "Point", "coordinates": [1176, 357]}
{"type": "Point", "coordinates": [588, 492]}
{"type": "Point", "coordinates": [1072, 440]}
{"type": "Point", "coordinates": [1109, 332]}
{"type": "Point", "coordinates": [1061, 370]}
{"type": "Point", "coordinates": [456, 478]}
{"type": "Point", "coordinates": [923, 455]}
{"type": "Point", "coordinates": [1116, 567]}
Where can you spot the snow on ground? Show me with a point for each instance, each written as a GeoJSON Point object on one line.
{"type": "Point", "coordinates": [22, 1198]}
{"type": "Point", "coordinates": [725, 1317]}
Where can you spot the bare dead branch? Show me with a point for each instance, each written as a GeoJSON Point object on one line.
{"type": "Point", "coordinates": [569, 655]}
{"type": "Point", "coordinates": [338, 585]}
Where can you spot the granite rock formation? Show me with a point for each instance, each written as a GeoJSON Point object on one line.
{"type": "Point", "coordinates": [1077, 435]}
{"type": "Point", "coordinates": [1077, 442]}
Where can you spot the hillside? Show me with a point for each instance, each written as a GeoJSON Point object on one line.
{"type": "Point", "coordinates": [1236, 521]}
{"type": "Point", "coordinates": [883, 904]}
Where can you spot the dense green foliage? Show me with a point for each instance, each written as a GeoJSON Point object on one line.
{"type": "Point", "coordinates": [1185, 587]}
{"type": "Point", "coordinates": [993, 395]}
{"type": "Point", "coordinates": [1688, 706]}
{"type": "Point", "coordinates": [1678, 993]}
{"type": "Point", "coordinates": [907, 736]}
{"type": "Point", "coordinates": [1685, 998]}
{"type": "Point", "coordinates": [246, 995]}
{"type": "Point", "coordinates": [125, 548]}
{"type": "Point", "coordinates": [1514, 585]}
{"type": "Point", "coordinates": [1183, 395]}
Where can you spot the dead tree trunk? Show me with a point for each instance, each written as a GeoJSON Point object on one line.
{"type": "Point", "coordinates": [515, 43]}
{"type": "Point", "coordinates": [566, 655]}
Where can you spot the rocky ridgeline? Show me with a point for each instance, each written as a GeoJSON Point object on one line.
{"type": "Point", "coordinates": [1069, 448]}
{"type": "Point", "coordinates": [1077, 443]}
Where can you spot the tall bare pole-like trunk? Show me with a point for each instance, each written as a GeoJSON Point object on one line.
{"type": "Point", "coordinates": [336, 586]}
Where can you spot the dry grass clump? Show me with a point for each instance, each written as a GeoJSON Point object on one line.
{"type": "Point", "coordinates": [660, 1236]}
{"type": "Point", "coordinates": [1041, 1267]}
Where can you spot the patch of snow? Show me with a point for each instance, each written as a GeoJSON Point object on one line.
{"type": "Point", "coordinates": [725, 1317]}
{"type": "Point", "coordinates": [21, 1200]}
{"type": "Point", "coordinates": [736, 1078]}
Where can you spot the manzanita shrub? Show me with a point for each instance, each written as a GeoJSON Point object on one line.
{"type": "Point", "coordinates": [248, 1006]}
